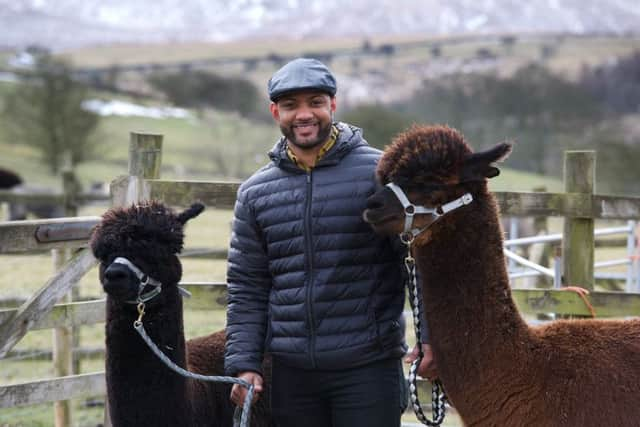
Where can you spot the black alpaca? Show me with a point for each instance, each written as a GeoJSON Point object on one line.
{"type": "Point", "coordinates": [10, 180]}
{"type": "Point", "coordinates": [141, 390]}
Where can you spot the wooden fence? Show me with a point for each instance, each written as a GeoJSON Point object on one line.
{"type": "Point", "coordinates": [46, 309]}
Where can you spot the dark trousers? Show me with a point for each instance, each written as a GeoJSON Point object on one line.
{"type": "Point", "coordinates": [373, 395]}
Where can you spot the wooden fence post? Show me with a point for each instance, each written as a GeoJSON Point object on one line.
{"type": "Point", "coordinates": [145, 157]}
{"type": "Point", "coordinates": [66, 339]}
{"type": "Point", "coordinates": [62, 350]}
{"type": "Point", "coordinates": [578, 240]}
{"type": "Point", "coordinates": [71, 190]}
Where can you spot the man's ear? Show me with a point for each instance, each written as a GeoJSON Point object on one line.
{"type": "Point", "coordinates": [275, 112]}
{"type": "Point", "coordinates": [334, 104]}
{"type": "Point", "coordinates": [478, 166]}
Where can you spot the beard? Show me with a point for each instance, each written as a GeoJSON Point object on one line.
{"type": "Point", "coordinates": [321, 136]}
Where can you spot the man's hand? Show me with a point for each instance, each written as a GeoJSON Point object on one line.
{"type": "Point", "coordinates": [239, 392]}
{"type": "Point", "coordinates": [428, 368]}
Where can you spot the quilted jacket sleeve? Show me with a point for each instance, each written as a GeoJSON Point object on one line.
{"type": "Point", "coordinates": [249, 283]}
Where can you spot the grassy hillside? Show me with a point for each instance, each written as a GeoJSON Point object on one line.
{"type": "Point", "coordinates": [211, 144]}
{"type": "Point", "coordinates": [194, 148]}
{"type": "Point", "coordinates": [569, 52]}
{"type": "Point", "coordinates": [206, 145]}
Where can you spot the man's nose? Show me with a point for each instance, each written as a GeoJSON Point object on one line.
{"type": "Point", "coordinates": [304, 112]}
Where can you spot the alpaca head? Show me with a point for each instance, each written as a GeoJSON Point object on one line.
{"type": "Point", "coordinates": [142, 239]}
{"type": "Point", "coordinates": [434, 167]}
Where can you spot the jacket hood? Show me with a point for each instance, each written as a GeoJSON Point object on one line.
{"type": "Point", "coordinates": [349, 137]}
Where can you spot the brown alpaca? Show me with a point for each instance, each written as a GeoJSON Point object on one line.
{"type": "Point", "coordinates": [497, 370]}
{"type": "Point", "coordinates": [141, 390]}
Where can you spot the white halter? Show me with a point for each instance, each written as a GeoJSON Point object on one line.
{"type": "Point", "coordinates": [145, 280]}
{"type": "Point", "coordinates": [410, 232]}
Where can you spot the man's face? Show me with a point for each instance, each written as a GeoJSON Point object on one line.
{"type": "Point", "coordinates": [304, 118]}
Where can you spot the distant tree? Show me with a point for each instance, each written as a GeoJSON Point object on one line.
{"type": "Point", "coordinates": [616, 85]}
{"type": "Point", "coordinates": [380, 123]}
{"type": "Point", "coordinates": [485, 53]}
{"type": "Point", "coordinates": [617, 163]}
{"type": "Point", "coordinates": [547, 51]}
{"type": "Point", "coordinates": [45, 111]}
{"type": "Point", "coordinates": [387, 49]}
{"type": "Point", "coordinates": [540, 110]}
{"type": "Point", "coordinates": [355, 65]}
{"type": "Point", "coordinates": [199, 89]}
{"type": "Point", "coordinates": [277, 59]}
{"type": "Point", "coordinates": [324, 57]}
{"type": "Point", "coordinates": [250, 64]}
{"type": "Point", "coordinates": [508, 42]}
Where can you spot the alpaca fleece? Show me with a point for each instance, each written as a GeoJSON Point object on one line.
{"type": "Point", "coordinates": [141, 390]}
{"type": "Point", "coordinates": [497, 370]}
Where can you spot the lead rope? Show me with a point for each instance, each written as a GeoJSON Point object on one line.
{"type": "Point", "coordinates": [438, 397]}
{"type": "Point", "coordinates": [238, 421]}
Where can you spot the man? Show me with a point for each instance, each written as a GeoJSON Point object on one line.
{"type": "Point", "coordinates": [309, 282]}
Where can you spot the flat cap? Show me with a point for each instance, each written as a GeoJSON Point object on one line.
{"type": "Point", "coordinates": [301, 74]}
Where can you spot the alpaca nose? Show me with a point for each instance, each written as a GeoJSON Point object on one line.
{"type": "Point", "coordinates": [375, 202]}
{"type": "Point", "coordinates": [116, 273]}
{"type": "Point", "coordinates": [117, 280]}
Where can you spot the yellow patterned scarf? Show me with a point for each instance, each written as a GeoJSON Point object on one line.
{"type": "Point", "coordinates": [331, 141]}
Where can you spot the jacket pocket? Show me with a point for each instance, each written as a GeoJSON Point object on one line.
{"type": "Point", "coordinates": [389, 333]}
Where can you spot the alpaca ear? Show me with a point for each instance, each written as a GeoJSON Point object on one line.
{"type": "Point", "coordinates": [478, 166]}
{"type": "Point", "coordinates": [193, 211]}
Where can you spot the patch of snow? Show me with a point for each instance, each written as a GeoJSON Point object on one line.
{"type": "Point", "coordinates": [127, 109]}
{"type": "Point", "coordinates": [22, 60]}
{"type": "Point", "coordinates": [476, 22]}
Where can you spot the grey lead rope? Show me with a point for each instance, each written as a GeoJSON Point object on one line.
{"type": "Point", "coordinates": [438, 397]}
{"type": "Point", "coordinates": [246, 409]}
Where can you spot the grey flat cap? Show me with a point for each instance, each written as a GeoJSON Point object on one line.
{"type": "Point", "coordinates": [301, 74]}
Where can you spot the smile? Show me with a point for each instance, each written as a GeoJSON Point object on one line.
{"type": "Point", "coordinates": [305, 126]}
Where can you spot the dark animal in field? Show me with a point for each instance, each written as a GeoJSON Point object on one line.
{"type": "Point", "coordinates": [10, 180]}
{"type": "Point", "coordinates": [141, 389]}
{"type": "Point", "coordinates": [497, 370]}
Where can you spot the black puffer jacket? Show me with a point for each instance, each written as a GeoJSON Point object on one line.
{"type": "Point", "coordinates": [308, 279]}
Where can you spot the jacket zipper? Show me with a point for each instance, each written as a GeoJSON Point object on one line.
{"type": "Point", "coordinates": [309, 256]}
